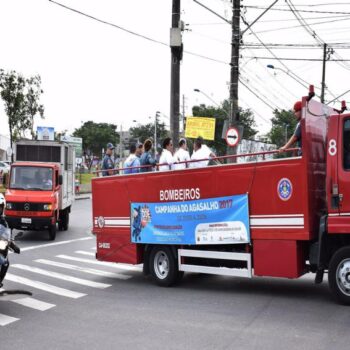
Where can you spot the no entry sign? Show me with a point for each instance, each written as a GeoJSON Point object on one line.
{"type": "Point", "coordinates": [232, 137]}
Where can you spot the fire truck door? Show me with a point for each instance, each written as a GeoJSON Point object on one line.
{"type": "Point", "coordinates": [344, 166]}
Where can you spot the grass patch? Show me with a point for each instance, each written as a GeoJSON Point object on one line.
{"type": "Point", "coordinates": [84, 178]}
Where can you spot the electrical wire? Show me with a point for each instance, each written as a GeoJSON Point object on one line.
{"type": "Point", "coordinates": [307, 27]}
{"type": "Point", "coordinates": [301, 25]}
{"type": "Point", "coordinates": [308, 11]}
{"type": "Point", "coordinates": [258, 93]}
{"type": "Point", "coordinates": [132, 32]}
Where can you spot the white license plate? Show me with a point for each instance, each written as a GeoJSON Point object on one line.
{"type": "Point", "coordinates": [26, 220]}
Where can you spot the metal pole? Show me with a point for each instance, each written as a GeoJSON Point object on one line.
{"type": "Point", "coordinates": [236, 37]}
{"type": "Point", "coordinates": [176, 56]}
{"type": "Point", "coordinates": [155, 134]}
{"type": "Point", "coordinates": [323, 84]}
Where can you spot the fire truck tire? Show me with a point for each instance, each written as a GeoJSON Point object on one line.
{"type": "Point", "coordinates": [339, 275]}
{"type": "Point", "coordinates": [52, 232]}
{"type": "Point", "coordinates": [163, 266]}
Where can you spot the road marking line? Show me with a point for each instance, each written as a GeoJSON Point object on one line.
{"type": "Point", "coordinates": [102, 263]}
{"type": "Point", "coordinates": [61, 276]}
{"type": "Point", "coordinates": [34, 304]}
{"type": "Point", "coordinates": [85, 253]}
{"type": "Point", "coordinates": [44, 286]}
{"type": "Point", "coordinates": [83, 269]}
{"type": "Point", "coordinates": [5, 320]}
{"type": "Point", "coordinates": [54, 244]}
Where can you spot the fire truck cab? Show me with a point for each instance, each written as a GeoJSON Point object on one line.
{"type": "Point", "coordinates": [299, 212]}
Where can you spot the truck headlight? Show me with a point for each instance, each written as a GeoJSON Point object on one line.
{"type": "Point", "coordinates": [47, 207]}
{"type": "Point", "coordinates": [9, 206]}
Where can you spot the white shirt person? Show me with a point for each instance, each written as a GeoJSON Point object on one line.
{"type": "Point", "coordinates": [201, 151]}
{"type": "Point", "coordinates": [182, 155]}
{"type": "Point", "coordinates": [167, 158]}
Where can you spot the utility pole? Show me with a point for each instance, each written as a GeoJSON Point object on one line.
{"type": "Point", "coordinates": [176, 57]}
{"type": "Point", "coordinates": [235, 42]}
{"type": "Point", "coordinates": [183, 114]}
{"type": "Point", "coordinates": [155, 133]}
{"type": "Point", "coordinates": [121, 142]}
{"type": "Point", "coordinates": [323, 84]}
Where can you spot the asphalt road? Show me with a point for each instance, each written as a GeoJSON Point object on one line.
{"type": "Point", "coordinates": [78, 304]}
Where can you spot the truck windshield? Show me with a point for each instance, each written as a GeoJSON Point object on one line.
{"type": "Point", "coordinates": [31, 178]}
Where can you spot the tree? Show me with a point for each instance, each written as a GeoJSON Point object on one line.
{"type": "Point", "coordinates": [12, 86]}
{"type": "Point", "coordinates": [33, 105]}
{"type": "Point", "coordinates": [95, 137]}
{"type": "Point", "coordinates": [220, 114]}
{"type": "Point", "coordinates": [283, 126]}
{"type": "Point", "coordinates": [21, 97]}
{"type": "Point", "coordinates": [143, 132]}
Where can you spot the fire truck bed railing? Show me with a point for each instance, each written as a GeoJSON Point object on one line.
{"type": "Point", "coordinates": [216, 159]}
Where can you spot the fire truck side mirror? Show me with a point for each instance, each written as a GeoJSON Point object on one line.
{"type": "Point", "coordinates": [60, 179]}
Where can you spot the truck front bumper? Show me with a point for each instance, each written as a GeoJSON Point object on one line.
{"type": "Point", "coordinates": [33, 223]}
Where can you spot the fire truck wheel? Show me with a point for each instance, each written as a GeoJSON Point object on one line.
{"type": "Point", "coordinates": [52, 232]}
{"type": "Point", "coordinates": [339, 275]}
{"type": "Point", "coordinates": [163, 266]}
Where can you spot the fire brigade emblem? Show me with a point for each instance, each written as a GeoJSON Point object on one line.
{"type": "Point", "coordinates": [284, 189]}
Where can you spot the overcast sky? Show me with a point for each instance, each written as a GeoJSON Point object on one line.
{"type": "Point", "coordinates": [91, 71]}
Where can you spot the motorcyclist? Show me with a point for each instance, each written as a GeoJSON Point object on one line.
{"type": "Point", "coordinates": [4, 263]}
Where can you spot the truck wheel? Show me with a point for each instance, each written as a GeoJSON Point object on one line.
{"type": "Point", "coordinates": [52, 232]}
{"type": "Point", "coordinates": [64, 220]}
{"type": "Point", "coordinates": [339, 275]}
{"type": "Point", "coordinates": [163, 266]}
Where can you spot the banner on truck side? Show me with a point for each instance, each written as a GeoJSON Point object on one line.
{"type": "Point", "coordinates": [223, 220]}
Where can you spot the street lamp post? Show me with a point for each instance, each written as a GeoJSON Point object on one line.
{"type": "Point", "coordinates": [305, 85]}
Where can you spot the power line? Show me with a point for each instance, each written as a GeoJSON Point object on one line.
{"type": "Point", "coordinates": [296, 59]}
{"type": "Point", "coordinates": [312, 32]}
{"type": "Point", "coordinates": [301, 25]}
{"type": "Point", "coordinates": [273, 54]}
{"type": "Point", "coordinates": [308, 11]}
{"type": "Point", "coordinates": [132, 32]}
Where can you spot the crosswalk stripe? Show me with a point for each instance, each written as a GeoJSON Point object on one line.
{"type": "Point", "coordinates": [44, 286]}
{"type": "Point", "coordinates": [83, 269]}
{"type": "Point", "coordinates": [101, 263]}
{"type": "Point", "coordinates": [85, 253]}
{"type": "Point", "coordinates": [34, 304]}
{"type": "Point", "coordinates": [5, 320]}
{"type": "Point", "coordinates": [62, 276]}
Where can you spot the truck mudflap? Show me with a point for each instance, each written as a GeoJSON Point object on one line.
{"type": "Point", "coordinates": [33, 223]}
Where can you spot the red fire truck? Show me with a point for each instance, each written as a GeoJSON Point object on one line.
{"type": "Point", "coordinates": [299, 211]}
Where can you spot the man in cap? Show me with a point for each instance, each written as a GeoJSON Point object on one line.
{"type": "Point", "coordinates": [107, 163]}
{"type": "Point", "coordinates": [296, 137]}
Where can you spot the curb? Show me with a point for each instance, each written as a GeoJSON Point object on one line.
{"type": "Point", "coordinates": [81, 197]}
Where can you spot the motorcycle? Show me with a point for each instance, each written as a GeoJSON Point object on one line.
{"type": "Point", "coordinates": [6, 244]}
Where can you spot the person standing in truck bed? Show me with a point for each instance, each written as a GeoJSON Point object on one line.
{"type": "Point", "coordinates": [107, 163]}
{"type": "Point", "coordinates": [296, 137]}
